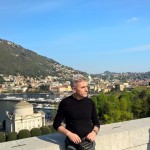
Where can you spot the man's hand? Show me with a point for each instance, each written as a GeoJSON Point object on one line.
{"type": "Point", "coordinates": [91, 136]}
{"type": "Point", "coordinates": [74, 137]}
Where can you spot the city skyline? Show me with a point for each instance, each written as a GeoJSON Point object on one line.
{"type": "Point", "coordinates": [91, 36]}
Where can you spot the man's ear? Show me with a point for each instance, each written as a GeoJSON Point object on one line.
{"type": "Point", "coordinates": [74, 90]}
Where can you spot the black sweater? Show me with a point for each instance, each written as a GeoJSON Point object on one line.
{"type": "Point", "coordinates": [79, 115]}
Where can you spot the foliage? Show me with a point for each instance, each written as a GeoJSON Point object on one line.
{"type": "Point", "coordinates": [14, 60]}
{"type": "Point", "coordinates": [23, 134]}
{"type": "Point", "coordinates": [44, 88]}
{"type": "Point", "coordinates": [45, 130]}
{"type": "Point", "coordinates": [35, 132]}
{"type": "Point", "coordinates": [113, 107]}
{"type": "Point", "coordinates": [52, 129]}
{"type": "Point", "coordinates": [11, 136]}
{"type": "Point", "coordinates": [1, 80]}
{"type": "Point", "coordinates": [2, 137]}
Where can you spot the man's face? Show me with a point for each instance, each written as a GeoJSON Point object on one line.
{"type": "Point", "coordinates": [81, 89]}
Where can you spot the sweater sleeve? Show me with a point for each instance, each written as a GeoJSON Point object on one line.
{"type": "Point", "coordinates": [95, 119]}
{"type": "Point", "coordinates": [59, 116]}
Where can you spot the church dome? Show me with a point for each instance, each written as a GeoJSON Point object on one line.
{"type": "Point", "coordinates": [23, 108]}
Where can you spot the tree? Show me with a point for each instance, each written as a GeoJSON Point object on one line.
{"type": "Point", "coordinates": [125, 108]}
{"type": "Point", "coordinates": [121, 106]}
{"type": "Point", "coordinates": [2, 137]}
{"type": "Point", "coordinates": [35, 132]}
{"type": "Point", "coordinates": [101, 105]}
{"type": "Point", "coordinates": [148, 105]}
{"type": "Point", "coordinates": [23, 134]}
{"type": "Point", "coordinates": [126, 116]}
{"type": "Point", "coordinates": [1, 80]}
{"type": "Point", "coordinates": [112, 116]}
{"type": "Point", "coordinates": [45, 130]}
{"type": "Point", "coordinates": [52, 129]}
{"type": "Point", "coordinates": [137, 108]}
{"type": "Point", "coordinates": [142, 94]}
{"type": "Point", "coordinates": [44, 88]}
{"type": "Point", "coordinates": [11, 136]}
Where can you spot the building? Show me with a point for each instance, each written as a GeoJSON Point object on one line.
{"type": "Point", "coordinates": [61, 89]}
{"type": "Point", "coordinates": [23, 117]}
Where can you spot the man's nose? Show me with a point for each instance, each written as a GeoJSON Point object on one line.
{"type": "Point", "coordinates": [86, 89]}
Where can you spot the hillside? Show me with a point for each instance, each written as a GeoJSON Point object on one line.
{"type": "Point", "coordinates": [14, 59]}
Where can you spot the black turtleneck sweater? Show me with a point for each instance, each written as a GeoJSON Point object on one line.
{"type": "Point", "coordinates": [79, 115]}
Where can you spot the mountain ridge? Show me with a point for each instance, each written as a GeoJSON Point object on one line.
{"type": "Point", "coordinates": [14, 59]}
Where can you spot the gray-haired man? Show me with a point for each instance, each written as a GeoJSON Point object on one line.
{"type": "Point", "coordinates": [79, 114]}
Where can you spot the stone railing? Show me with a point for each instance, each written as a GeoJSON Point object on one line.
{"type": "Point", "coordinates": [128, 135]}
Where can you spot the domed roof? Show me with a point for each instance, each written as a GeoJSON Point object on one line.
{"type": "Point", "coordinates": [23, 104]}
{"type": "Point", "coordinates": [23, 108]}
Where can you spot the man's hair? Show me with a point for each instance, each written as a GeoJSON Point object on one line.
{"type": "Point", "coordinates": [77, 78]}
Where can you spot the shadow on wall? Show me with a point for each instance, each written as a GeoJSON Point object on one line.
{"type": "Point", "coordinates": [54, 139]}
{"type": "Point", "coordinates": [148, 146]}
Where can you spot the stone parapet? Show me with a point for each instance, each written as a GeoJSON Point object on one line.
{"type": "Point", "coordinates": [128, 135]}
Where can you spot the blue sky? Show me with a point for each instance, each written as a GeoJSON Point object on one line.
{"type": "Point", "coordinates": [87, 35]}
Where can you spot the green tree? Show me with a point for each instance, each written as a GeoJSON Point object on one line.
{"type": "Point", "coordinates": [2, 137]}
{"type": "Point", "coordinates": [148, 105]}
{"type": "Point", "coordinates": [11, 136]}
{"type": "Point", "coordinates": [125, 108]}
{"type": "Point", "coordinates": [45, 130]}
{"type": "Point", "coordinates": [44, 88]}
{"type": "Point", "coordinates": [137, 108]}
{"type": "Point", "coordinates": [120, 106]}
{"type": "Point", "coordinates": [23, 134]}
{"type": "Point", "coordinates": [1, 80]}
{"type": "Point", "coordinates": [123, 104]}
{"type": "Point", "coordinates": [52, 129]}
{"type": "Point", "coordinates": [129, 96]}
{"type": "Point", "coordinates": [35, 132]}
{"type": "Point", "coordinates": [142, 94]}
{"type": "Point", "coordinates": [112, 116]}
{"type": "Point", "coordinates": [94, 99]}
{"type": "Point", "coordinates": [101, 105]}
{"type": "Point", "coordinates": [126, 116]}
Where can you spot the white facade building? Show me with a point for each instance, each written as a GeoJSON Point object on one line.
{"type": "Point", "coordinates": [23, 117]}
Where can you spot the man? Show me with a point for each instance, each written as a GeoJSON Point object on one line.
{"type": "Point", "coordinates": [79, 114]}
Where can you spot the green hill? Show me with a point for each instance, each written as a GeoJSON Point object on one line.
{"type": "Point", "coordinates": [14, 59]}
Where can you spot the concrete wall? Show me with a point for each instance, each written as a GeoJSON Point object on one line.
{"type": "Point", "coordinates": [128, 135]}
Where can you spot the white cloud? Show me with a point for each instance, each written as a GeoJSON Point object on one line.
{"type": "Point", "coordinates": [133, 19]}
{"type": "Point", "coordinates": [138, 49]}
{"type": "Point", "coordinates": [141, 48]}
